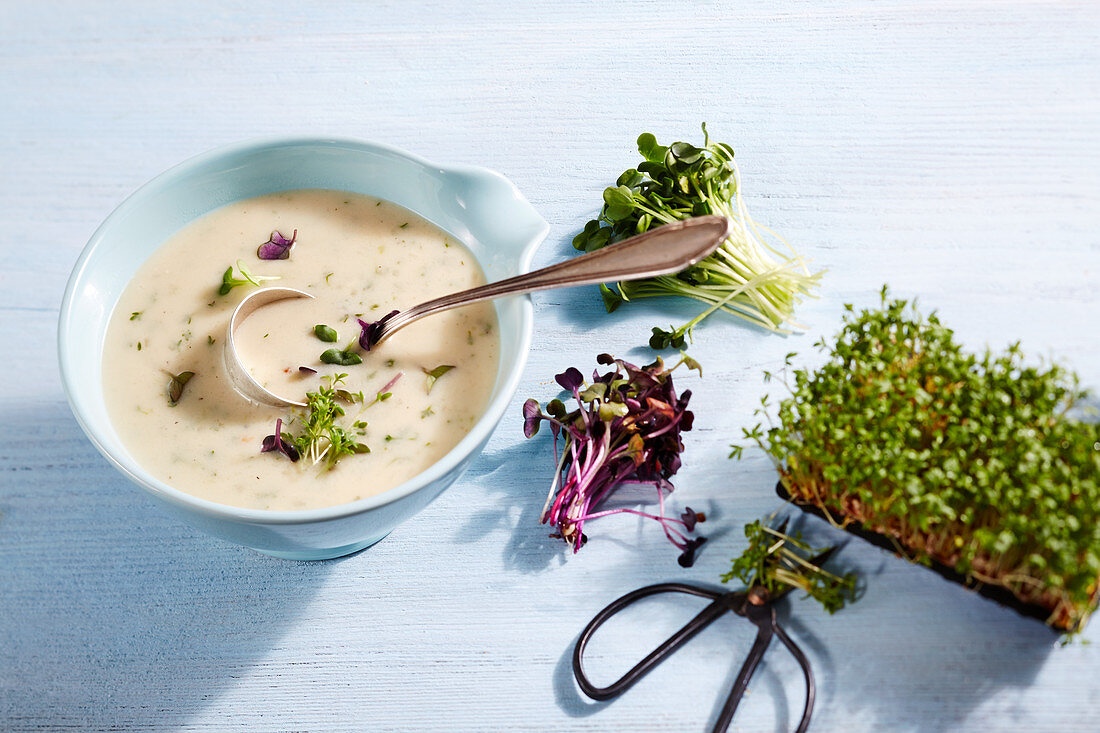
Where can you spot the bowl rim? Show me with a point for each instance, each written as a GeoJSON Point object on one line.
{"type": "Point", "coordinates": [482, 429]}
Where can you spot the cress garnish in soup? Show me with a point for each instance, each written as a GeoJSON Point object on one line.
{"type": "Point", "coordinates": [404, 405]}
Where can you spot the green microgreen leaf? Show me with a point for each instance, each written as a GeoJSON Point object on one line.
{"type": "Point", "coordinates": [436, 373]}
{"type": "Point", "coordinates": [230, 281]}
{"type": "Point", "coordinates": [350, 397]}
{"type": "Point", "coordinates": [611, 298]}
{"type": "Point", "coordinates": [691, 363]}
{"type": "Point", "coordinates": [325, 333]}
{"type": "Point", "coordinates": [176, 385]}
{"type": "Point", "coordinates": [341, 357]}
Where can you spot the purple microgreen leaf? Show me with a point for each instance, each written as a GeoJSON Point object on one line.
{"type": "Point", "coordinates": [690, 518]}
{"type": "Point", "coordinates": [687, 557]}
{"type": "Point", "coordinates": [175, 387]}
{"type": "Point", "coordinates": [372, 330]}
{"type": "Point", "coordinates": [532, 417]}
{"type": "Point", "coordinates": [570, 379]}
{"type": "Point", "coordinates": [281, 442]}
{"type": "Point", "coordinates": [307, 370]}
{"type": "Point", "coordinates": [436, 373]}
{"type": "Point", "coordinates": [687, 420]}
{"type": "Point", "coordinates": [277, 247]}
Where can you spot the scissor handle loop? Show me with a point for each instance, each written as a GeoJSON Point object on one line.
{"type": "Point", "coordinates": [762, 616]}
{"type": "Point", "coordinates": [716, 608]}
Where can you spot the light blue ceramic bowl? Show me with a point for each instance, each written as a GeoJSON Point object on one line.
{"type": "Point", "coordinates": [479, 207]}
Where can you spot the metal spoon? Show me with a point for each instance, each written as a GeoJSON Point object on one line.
{"type": "Point", "coordinates": [660, 251]}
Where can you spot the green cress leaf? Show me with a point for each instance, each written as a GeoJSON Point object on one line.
{"type": "Point", "coordinates": [325, 333]}
{"type": "Point", "coordinates": [228, 282]}
{"type": "Point", "coordinates": [618, 203]}
{"type": "Point", "coordinates": [341, 358]}
{"type": "Point", "coordinates": [650, 150]}
{"type": "Point", "coordinates": [176, 385]}
{"type": "Point", "coordinates": [436, 373]}
{"type": "Point", "coordinates": [350, 397]}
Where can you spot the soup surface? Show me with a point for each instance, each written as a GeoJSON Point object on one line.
{"type": "Point", "coordinates": [360, 258]}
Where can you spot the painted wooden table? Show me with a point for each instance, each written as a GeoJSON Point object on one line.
{"type": "Point", "coordinates": [949, 149]}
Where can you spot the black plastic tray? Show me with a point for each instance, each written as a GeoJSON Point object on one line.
{"type": "Point", "coordinates": [992, 592]}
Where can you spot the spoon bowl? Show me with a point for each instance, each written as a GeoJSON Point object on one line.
{"type": "Point", "coordinates": [239, 375]}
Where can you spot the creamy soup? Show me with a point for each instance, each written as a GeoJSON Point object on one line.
{"type": "Point", "coordinates": [360, 258]}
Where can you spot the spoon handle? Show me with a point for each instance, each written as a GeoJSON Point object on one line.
{"type": "Point", "coordinates": [660, 251]}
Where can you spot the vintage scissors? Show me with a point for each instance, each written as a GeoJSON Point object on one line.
{"type": "Point", "coordinates": [754, 603]}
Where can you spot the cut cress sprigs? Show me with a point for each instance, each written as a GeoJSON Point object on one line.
{"type": "Point", "coordinates": [625, 430]}
{"type": "Point", "coordinates": [322, 438]}
{"type": "Point", "coordinates": [746, 276]}
{"type": "Point", "coordinates": [777, 561]}
{"type": "Point", "coordinates": [973, 461]}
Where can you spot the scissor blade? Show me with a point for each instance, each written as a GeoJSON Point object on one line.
{"type": "Point", "coordinates": [763, 639]}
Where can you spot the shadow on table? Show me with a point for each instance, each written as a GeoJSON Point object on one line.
{"type": "Point", "coordinates": [929, 654]}
{"type": "Point", "coordinates": [112, 615]}
{"type": "Point", "coordinates": [528, 548]}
